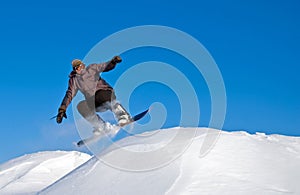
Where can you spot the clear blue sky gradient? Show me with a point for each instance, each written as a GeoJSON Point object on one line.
{"type": "Point", "coordinates": [256, 45]}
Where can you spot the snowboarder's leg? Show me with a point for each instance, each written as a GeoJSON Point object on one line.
{"type": "Point", "coordinates": [103, 98]}
{"type": "Point", "coordinates": [106, 99]}
{"type": "Point", "coordinates": [90, 115]}
{"type": "Point", "coordinates": [121, 114]}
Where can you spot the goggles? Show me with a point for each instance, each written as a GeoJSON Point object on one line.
{"type": "Point", "coordinates": [78, 66]}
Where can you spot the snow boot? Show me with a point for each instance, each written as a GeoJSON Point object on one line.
{"type": "Point", "coordinates": [121, 114]}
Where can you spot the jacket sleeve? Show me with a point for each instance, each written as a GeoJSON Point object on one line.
{"type": "Point", "coordinates": [110, 65]}
{"type": "Point", "coordinates": [70, 93]}
{"type": "Point", "coordinates": [103, 67]}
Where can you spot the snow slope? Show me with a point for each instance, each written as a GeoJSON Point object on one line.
{"type": "Point", "coordinates": [31, 173]}
{"type": "Point", "coordinates": [239, 163]}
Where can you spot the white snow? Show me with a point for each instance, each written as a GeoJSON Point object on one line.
{"type": "Point", "coordinates": [239, 163]}
{"type": "Point", "coordinates": [31, 173]}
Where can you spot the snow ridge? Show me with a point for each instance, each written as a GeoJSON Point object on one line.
{"type": "Point", "coordinates": [239, 163]}
{"type": "Point", "coordinates": [31, 173]}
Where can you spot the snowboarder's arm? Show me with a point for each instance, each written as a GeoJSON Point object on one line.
{"type": "Point", "coordinates": [107, 66]}
{"type": "Point", "coordinates": [70, 93]}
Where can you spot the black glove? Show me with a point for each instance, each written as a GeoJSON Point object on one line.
{"type": "Point", "coordinates": [61, 114]}
{"type": "Point", "coordinates": [116, 60]}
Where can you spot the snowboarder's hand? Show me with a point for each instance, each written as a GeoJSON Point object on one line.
{"type": "Point", "coordinates": [116, 60]}
{"type": "Point", "coordinates": [61, 114]}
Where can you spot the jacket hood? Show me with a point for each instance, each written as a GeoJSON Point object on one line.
{"type": "Point", "coordinates": [72, 74]}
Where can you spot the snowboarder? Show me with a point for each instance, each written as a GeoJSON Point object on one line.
{"type": "Point", "coordinates": [99, 95]}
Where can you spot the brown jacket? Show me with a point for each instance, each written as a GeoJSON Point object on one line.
{"type": "Point", "coordinates": [87, 82]}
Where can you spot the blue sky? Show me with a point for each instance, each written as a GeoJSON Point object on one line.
{"type": "Point", "coordinates": [255, 44]}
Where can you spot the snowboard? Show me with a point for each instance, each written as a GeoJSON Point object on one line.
{"type": "Point", "coordinates": [95, 137]}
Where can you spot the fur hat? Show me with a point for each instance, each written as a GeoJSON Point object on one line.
{"type": "Point", "coordinates": [76, 62]}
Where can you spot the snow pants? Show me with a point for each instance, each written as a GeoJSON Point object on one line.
{"type": "Point", "coordinates": [101, 102]}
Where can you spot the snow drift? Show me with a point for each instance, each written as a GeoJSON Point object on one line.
{"type": "Point", "coordinates": [31, 173]}
{"type": "Point", "coordinates": [239, 163]}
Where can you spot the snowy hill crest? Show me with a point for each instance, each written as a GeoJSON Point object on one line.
{"type": "Point", "coordinates": [31, 173]}
{"type": "Point", "coordinates": [239, 163]}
